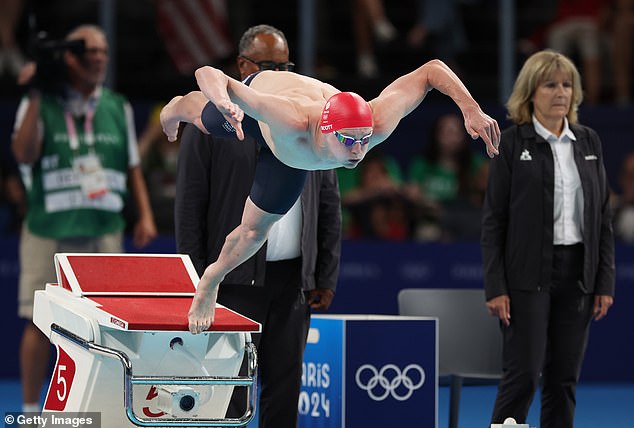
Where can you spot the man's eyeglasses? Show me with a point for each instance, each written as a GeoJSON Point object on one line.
{"type": "Point", "coordinates": [350, 141]}
{"type": "Point", "coordinates": [271, 65]}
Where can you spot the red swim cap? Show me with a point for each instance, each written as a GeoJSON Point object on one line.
{"type": "Point", "coordinates": [345, 110]}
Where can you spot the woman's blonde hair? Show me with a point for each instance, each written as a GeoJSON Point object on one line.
{"type": "Point", "coordinates": [538, 68]}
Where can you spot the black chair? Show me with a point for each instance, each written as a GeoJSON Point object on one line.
{"type": "Point", "coordinates": [469, 339]}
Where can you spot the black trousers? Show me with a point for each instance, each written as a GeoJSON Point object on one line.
{"type": "Point", "coordinates": [547, 338]}
{"type": "Point", "coordinates": [281, 308]}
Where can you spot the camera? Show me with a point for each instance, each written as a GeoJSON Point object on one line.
{"type": "Point", "coordinates": [51, 74]}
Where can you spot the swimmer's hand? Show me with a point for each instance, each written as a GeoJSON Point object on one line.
{"type": "Point", "coordinates": [214, 85]}
{"type": "Point", "coordinates": [481, 125]}
{"type": "Point", "coordinates": [186, 108]}
{"type": "Point", "coordinates": [170, 120]}
{"type": "Point", "coordinates": [233, 114]}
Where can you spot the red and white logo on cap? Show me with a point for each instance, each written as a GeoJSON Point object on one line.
{"type": "Point", "coordinates": [345, 110]}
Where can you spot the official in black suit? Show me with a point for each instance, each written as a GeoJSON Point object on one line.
{"type": "Point", "coordinates": [547, 241]}
{"type": "Point", "coordinates": [295, 271]}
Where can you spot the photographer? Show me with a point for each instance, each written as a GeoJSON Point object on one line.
{"type": "Point", "coordinates": [77, 140]}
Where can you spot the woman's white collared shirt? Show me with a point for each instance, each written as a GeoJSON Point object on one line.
{"type": "Point", "coordinates": [568, 196]}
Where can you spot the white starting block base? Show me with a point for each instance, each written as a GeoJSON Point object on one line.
{"type": "Point", "coordinates": [128, 354]}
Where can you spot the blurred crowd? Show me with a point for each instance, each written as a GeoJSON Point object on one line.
{"type": "Point", "coordinates": [439, 197]}
{"type": "Point", "coordinates": [435, 195]}
{"type": "Point", "coordinates": [597, 34]}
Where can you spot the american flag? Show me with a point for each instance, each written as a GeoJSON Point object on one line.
{"type": "Point", "coordinates": [196, 32]}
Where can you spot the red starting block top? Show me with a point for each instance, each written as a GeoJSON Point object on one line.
{"type": "Point", "coordinates": [141, 291]}
{"type": "Point", "coordinates": [166, 313]}
{"type": "Point", "coordinates": [125, 274]}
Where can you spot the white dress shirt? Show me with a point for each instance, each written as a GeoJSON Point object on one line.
{"type": "Point", "coordinates": [284, 240]}
{"type": "Point", "coordinates": [568, 196]}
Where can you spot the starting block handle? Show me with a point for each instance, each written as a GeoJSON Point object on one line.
{"type": "Point", "coordinates": [250, 381]}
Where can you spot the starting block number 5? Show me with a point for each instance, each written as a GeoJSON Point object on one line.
{"type": "Point", "coordinates": [61, 382]}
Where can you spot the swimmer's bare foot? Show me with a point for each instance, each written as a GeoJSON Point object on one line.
{"type": "Point", "coordinates": [169, 120]}
{"type": "Point", "coordinates": [201, 313]}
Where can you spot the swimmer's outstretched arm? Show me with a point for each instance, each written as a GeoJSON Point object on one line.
{"type": "Point", "coordinates": [403, 95]}
{"type": "Point", "coordinates": [279, 113]}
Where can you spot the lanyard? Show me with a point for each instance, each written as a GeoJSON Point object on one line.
{"type": "Point", "coordinates": [89, 135]}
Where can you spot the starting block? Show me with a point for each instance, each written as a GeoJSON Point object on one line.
{"type": "Point", "coordinates": [119, 323]}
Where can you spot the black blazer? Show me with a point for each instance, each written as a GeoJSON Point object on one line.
{"type": "Point", "coordinates": [517, 217]}
{"type": "Point", "coordinates": [214, 177]}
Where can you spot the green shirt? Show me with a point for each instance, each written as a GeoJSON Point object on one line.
{"type": "Point", "coordinates": [58, 208]}
{"type": "Point", "coordinates": [438, 183]}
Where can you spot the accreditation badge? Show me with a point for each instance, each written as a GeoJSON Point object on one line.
{"type": "Point", "coordinates": [92, 177]}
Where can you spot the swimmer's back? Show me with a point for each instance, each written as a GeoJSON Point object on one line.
{"type": "Point", "coordinates": [303, 89]}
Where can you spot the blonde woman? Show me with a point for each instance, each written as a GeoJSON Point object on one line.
{"type": "Point", "coordinates": [547, 241]}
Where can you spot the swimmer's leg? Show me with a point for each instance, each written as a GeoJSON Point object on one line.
{"type": "Point", "coordinates": [240, 244]}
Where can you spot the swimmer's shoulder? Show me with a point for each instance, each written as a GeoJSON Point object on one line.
{"type": "Point", "coordinates": [286, 82]}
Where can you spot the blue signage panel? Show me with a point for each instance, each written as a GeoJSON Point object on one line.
{"type": "Point", "coordinates": [391, 373]}
{"type": "Point", "coordinates": [321, 397]}
{"type": "Point", "coordinates": [366, 370]}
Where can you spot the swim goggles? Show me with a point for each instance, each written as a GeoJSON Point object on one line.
{"type": "Point", "coordinates": [350, 141]}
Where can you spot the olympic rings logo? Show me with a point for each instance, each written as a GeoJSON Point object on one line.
{"type": "Point", "coordinates": [390, 380]}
